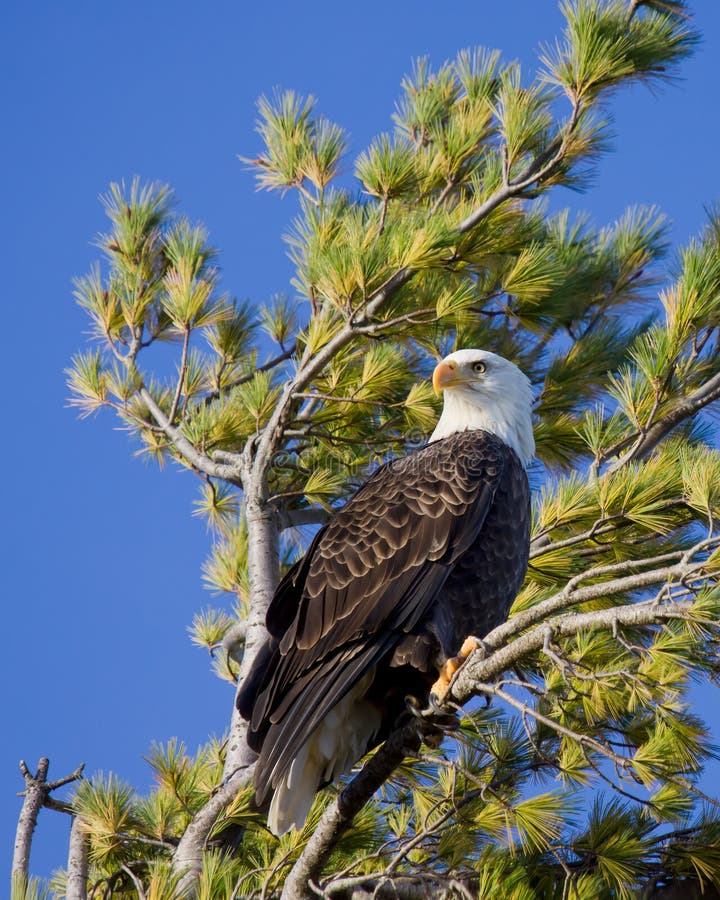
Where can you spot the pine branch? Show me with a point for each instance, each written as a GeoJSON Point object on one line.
{"type": "Point", "coordinates": [376, 328]}
{"type": "Point", "coordinates": [471, 173]}
{"type": "Point", "coordinates": [646, 441]}
{"type": "Point", "coordinates": [310, 366]}
{"type": "Point", "coordinates": [199, 460]}
{"type": "Point", "coordinates": [422, 886]}
{"type": "Point", "coordinates": [572, 595]}
{"type": "Point", "coordinates": [541, 543]}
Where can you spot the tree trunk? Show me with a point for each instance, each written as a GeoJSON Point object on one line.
{"type": "Point", "coordinates": [263, 574]}
{"type": "Point", "coordinates": [77, 865]}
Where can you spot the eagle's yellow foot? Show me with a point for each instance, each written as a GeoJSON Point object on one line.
{"type": "Point", "coordinates": [442, 685]}
{"type": "Point", "coordinates": [439, 690]}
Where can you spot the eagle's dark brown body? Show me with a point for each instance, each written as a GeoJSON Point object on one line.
{"type": "Point", "coordinates": [431, 549]}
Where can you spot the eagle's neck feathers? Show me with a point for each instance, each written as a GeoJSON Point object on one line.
{"type": "Point", "coordinates": [507, 416]}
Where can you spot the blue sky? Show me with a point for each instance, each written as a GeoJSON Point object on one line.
{"type": "Point", "coordinates": [101, 557]}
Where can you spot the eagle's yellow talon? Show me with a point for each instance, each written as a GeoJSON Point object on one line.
{"type": "Point", "coordinates": [451, 666]}
{"type": "Point", "coordinates": [470, 645]}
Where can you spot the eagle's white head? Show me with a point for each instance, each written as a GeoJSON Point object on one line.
{"type": "Point", "coordinates": [485, 391]}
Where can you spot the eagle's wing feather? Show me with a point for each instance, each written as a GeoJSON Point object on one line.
{"type": "Point", "coordinates": [368, 578]}
{"type": "Point", "coordinates": [310, 707]}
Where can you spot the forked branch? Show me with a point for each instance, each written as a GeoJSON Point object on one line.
{"type": "Point", "coordinates": [36, 793]}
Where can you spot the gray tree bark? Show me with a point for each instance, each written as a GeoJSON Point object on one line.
{"type": "Point", "coordinates": [263, 575]}
{"type": "Point", "coordinates": [36, 790]}
{"type": "Point", "coordinates": [37, 794]}
{"type": "Point", "coordinates": [77, 864]}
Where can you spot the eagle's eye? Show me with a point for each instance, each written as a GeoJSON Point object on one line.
{"type": "Point", "coordinates": [479, 368]}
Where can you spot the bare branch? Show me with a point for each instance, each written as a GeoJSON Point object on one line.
{"type": "Point", "coordinates": [36, 793]}
{"type": "Point", "coordinates": [294, 518]}
{"type": "Point", "coordinates": [402, 887]}
{"type": "Point", "coordinates": [443, 195]}
{"type": "Point", "coordinates": [263, 567]}
{"type": "Point", "coordinates": [136, 881]}
{"type": "Point", "coordinates": [68, 779]}
{"type": "Point", "coordinates": [59, 806]}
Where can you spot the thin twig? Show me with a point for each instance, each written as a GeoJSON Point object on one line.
{"type": "Point", "coordinates": [243, 379]}
{"type": "Point", "coordinates": [181, 376]}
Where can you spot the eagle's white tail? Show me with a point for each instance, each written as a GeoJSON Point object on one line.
{"type": "Point", "coordinates": [330, 751]}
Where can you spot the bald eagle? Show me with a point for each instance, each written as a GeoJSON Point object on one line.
{"type": "Point", "coordinates": [432, 548]}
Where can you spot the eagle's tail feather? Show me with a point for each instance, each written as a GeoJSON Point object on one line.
{"type": "Point", "coordinates": [330, 751]}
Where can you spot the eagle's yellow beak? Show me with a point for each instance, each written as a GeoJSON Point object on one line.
{"type": "Point", "coordinates": [445, 375]}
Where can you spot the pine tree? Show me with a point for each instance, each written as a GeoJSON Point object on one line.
{"type": "Point", "coordinates": [574, 769]}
